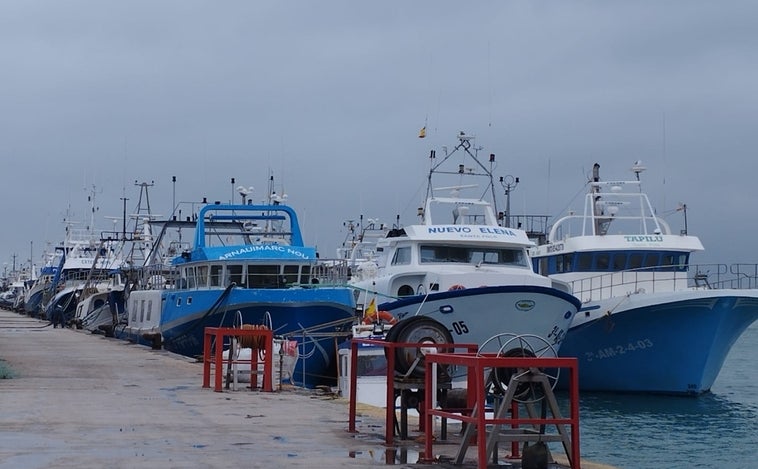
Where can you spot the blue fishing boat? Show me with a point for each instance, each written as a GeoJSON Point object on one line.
{"type": "Point", "coordinates": [650, 320]}
{"type": "Point", "coordinates": [248, 265]}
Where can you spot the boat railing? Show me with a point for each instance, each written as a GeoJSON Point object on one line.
{"type": "Point", "coordinates": [651, 280]}
{"type": "Point", "coordinates": [536, 226]}
{"type": "Point", "coordinates": [81, 276]}
{"type": "Point", "coordinates": [331, 272]}
{"type": "Point", "coordinates": [153, 277]}
{"type": "Point", "coordinates": [736, 276]}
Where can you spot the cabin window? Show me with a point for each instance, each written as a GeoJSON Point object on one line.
{"type": "Point", "coordinates": [682, 264]}
{"type": "Point", "coordinates": [263, 276]}
{"type": "Point", "coordinates": [289, 274]}
{"type": "Point", "coordinates": [507, 256]}
{"type": "Point", "coordinates": [635, 260]}
{"type": "Point", "coordinates": [191, 277]}
{"type": "Point", "coordinates": [402, 256]}
{"type": "Point", "coordinates": [541, 265]}
{"type": "Point", "coordinates": [615, 261]}
{"type": "Point", "coordinates": [558, 263]}
{"type": "Point", "coordinates": [473, 255]}
{"type": "Point", "coordinates": [584, 261]}
{"type": "Point", "coordinates": [673, 261]}
{"type": "Point", "coordinates": [134, 313]}
{"type": "Point", "coordinates": [149, 309]}
{"type": "Point", "coordinates": [653, 259]}
{"type": "Point", "coordinates": [305, 274]}
{"type": "Point", "coordinates": [234, 274]}
{"type": "Point", "coordinates": [602, 262]}
{"type": "Point", "coordinates": [405, 290]}
{"type": "Point", "coordinates": [202, 276]}
{"type": "Point", "coordinates": [142, 311]}
{"type": "Point", "coordinates": [619, 261]}
{"type": "Point", "coordinates": [568, 262]}
{"type": "Point", "coordinates": [216, 271]}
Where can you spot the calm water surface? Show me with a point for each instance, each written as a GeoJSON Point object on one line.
{"type": "Point", "coordinates": [716, 430]}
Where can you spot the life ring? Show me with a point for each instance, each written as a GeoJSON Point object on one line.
{"type": "Point", "coordinates": [457, 286]}
{"type": "Point", "coordinates": [383, 317]}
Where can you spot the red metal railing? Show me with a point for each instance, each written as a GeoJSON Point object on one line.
{"type": "Point", "coordinates": [476, 365]}
{"type": "Point", "coordinates": [257, 336]}
{"type": "Point", "coordinates": [390, 348]}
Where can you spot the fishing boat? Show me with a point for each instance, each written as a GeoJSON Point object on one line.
{"type": "Point", "coordinates": [248, 265]}
{"type": "Point", "coordinates": [33, 298]}
{"type": "Point", "coordinates": [87, 265]}
{"type": "Point", "coordinates": [461, 267]}
{"type": "Point", "coordinates": [650, 321]}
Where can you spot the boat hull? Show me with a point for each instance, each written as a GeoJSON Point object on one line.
{"type": "Point", "coordinates": [672, 343]}
{"type": "Point", "coordinates": [475, 315]}
{"type": "Point", "coordinates": [316, 318]}
{"type": "Point", "coordinates": [34, 302]}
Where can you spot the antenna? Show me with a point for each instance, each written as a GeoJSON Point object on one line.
{"type": "Point", "coordinates": [637, 168]}
{"type": "Point", "coordinates": [244, 192]}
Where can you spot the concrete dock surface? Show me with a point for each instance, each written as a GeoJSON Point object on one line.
{"type": "Point", "coordinates": [76, 399]}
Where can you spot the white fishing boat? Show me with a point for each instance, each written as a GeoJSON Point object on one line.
{"type": "Point", "coordinates": [650, 321]}
{"type": "Point", "coordinates": [86, 262]}
{"type": "Point", "coordinates": [460, 273]}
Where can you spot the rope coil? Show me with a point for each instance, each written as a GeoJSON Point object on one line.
{"type": "Point", "coordinates": [255, 342]}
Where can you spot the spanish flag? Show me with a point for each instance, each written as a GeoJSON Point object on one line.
{"type": "Point", "coordinates": [422, 132]}
{"type": "Point", "coordinates": [371, 308]}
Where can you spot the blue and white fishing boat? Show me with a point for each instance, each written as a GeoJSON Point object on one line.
{"type": "Point", "coordinates": [248, 265]}
{"type": "Point", "coordinates": [34, 296]}
{"type": "Point", "coordinates": [650, 321]}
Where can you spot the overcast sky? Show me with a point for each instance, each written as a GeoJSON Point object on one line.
{"type": "Point", "coordinates": [329, 98]}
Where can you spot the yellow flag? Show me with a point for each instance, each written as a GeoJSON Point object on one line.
{"type": "Point", "coordinates": [422, 133]}
{"type": "Point", "coordinates": [371, 308]}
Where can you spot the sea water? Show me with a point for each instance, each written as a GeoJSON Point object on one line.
{"type": "Point", "coordinates": [715, 430]}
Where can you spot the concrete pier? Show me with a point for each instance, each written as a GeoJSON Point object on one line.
{"type": "Point", "coordinates": [80, 400]}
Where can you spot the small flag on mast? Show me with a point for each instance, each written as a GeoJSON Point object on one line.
{"type": "Point", "coordinates": [371, 308]}
{"type": "Point", "coordinates": [422, 132]}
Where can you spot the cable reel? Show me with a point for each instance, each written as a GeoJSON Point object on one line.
{"type": "Point", "coordinates": [525, 346]}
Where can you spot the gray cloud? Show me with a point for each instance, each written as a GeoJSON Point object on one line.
{"type": "Point", "coordinates": [330, 97]}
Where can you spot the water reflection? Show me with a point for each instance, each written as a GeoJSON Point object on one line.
{"type": "Point", "coordinates": [388, 456]}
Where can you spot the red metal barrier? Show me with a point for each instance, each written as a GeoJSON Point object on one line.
{"type": "Point", "coordinates": [476, 366]}
{"type": "Point", "coordinates": [390, 348]}
{"type": "Point", "coordinates": [216, 357]}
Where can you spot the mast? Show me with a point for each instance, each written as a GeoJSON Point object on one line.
{"type": "Point", "coordinates": [465, 143]}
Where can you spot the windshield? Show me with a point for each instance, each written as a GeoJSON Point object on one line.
{"type": "Point", "coordinates": [473, 255]}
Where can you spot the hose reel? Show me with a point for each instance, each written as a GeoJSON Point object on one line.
{"type": "Point", "coordinates": [524, 346]}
